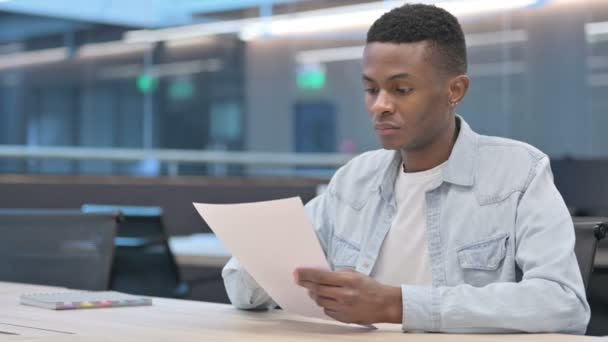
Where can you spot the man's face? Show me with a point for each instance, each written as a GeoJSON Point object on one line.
{"type": "Point", "coordinates": [406, 95]}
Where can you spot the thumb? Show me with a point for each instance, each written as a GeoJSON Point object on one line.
{"type": "Point", "coordinates": [351, 270]}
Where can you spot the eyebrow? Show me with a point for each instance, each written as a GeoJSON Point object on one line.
{"type": "Point", "coordinates": [391, 78]}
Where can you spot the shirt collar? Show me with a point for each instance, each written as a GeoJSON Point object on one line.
{"type": "Point", "coordinates": [460, 166]}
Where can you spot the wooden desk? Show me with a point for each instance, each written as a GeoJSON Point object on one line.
{"type": "Point", "coordinates": [181, 320]}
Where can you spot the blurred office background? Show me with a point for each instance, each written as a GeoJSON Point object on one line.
{"type": "Point", "coordinates": [270, 76]}
{"type": "Point", "coordinates": [164, 102]}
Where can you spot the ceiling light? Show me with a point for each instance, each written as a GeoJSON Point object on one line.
{"type": "Point", "coordinates": [333, 19]}
{"type": "Point", "coordinates": [111, 49]}
{"type": "Point", "coordinates": [356, 52]}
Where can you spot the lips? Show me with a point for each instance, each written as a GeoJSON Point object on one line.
{"type": "Point", "coordinates": [385, 126]}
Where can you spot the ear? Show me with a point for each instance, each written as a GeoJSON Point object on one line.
{"type": "Point", "coordinates": [458, 87]}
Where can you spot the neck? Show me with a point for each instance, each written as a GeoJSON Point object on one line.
{"type": "Point", "coordinates": [433, 154]}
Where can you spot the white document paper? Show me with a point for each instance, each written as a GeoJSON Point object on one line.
{"type": "Point", "coordinates": [271, 239]}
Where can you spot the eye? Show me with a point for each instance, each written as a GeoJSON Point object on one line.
{"type": "Point", "coordinates": [403, 91]}
{"type": "Point", "coordinates": [371, 91]}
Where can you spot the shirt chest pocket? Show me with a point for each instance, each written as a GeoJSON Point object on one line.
{"type": "Point", "coordinates": [481, 261]}
{"type": "Point", "coordinates": [344, 253]}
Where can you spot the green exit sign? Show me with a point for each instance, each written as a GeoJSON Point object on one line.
{"type": "Point", "coordinates": [312, 80]}
{"type": "Point", "coordinates": [312, 76]}
{"type": "Point", "coordinates": [147, 83]}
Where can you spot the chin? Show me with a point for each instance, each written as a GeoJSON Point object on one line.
{"type": "Point", "coordinates": [392, 145]}
{"type": "Point", "coordinates": [402, 145]}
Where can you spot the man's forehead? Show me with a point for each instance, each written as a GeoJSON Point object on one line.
{"type": "Point", "coordinates": [392, 59]}
{"type": "Point", "coordinates": [396, 76]}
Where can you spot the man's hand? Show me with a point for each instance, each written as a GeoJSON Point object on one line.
{"type": "Point", "coordinates": [352, 297]}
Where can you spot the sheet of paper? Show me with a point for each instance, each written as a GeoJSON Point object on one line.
{"type": "Point", "coordinates": [271, 239]}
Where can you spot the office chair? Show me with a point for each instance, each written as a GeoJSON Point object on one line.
{"type": "Point", "coordinates": [57, 247]}
{"type": "Point", "coordinates": [143, 262]}
{"type": "Point", "coordinates": [589, 231]}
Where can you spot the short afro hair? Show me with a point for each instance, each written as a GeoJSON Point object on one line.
{"type": "Point", "coordinates": [413, 23]}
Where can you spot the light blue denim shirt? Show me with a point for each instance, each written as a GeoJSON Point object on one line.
{"type": "Point", "coordinates": [500, 240]}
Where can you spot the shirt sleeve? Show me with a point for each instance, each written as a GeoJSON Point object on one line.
{"type": "Point", "coordinates": [243, 291]}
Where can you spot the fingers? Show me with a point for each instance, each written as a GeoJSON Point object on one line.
{"type": "Point", "coordinates": [324, 302]}
{"type": "Point", "coordinates": [318, 276]}
{"type": "Point", "coordinates": [341, 295]}
{"type": "Point", "coordinates": [342, 278]}
{"type": "Point", "coordinates": [338, 316]}
{"type": "Point", "coordinates": [323, 290]}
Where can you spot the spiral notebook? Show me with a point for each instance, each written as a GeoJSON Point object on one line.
{"type": "Point", "coordinates": [83, 300]}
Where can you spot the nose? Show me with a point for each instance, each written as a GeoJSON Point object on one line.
{"type": "Point", "coordinates": [382, 104]}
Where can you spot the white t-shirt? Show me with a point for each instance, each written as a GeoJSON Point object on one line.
{"type": "Point", "coordinates": [404, 256]}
